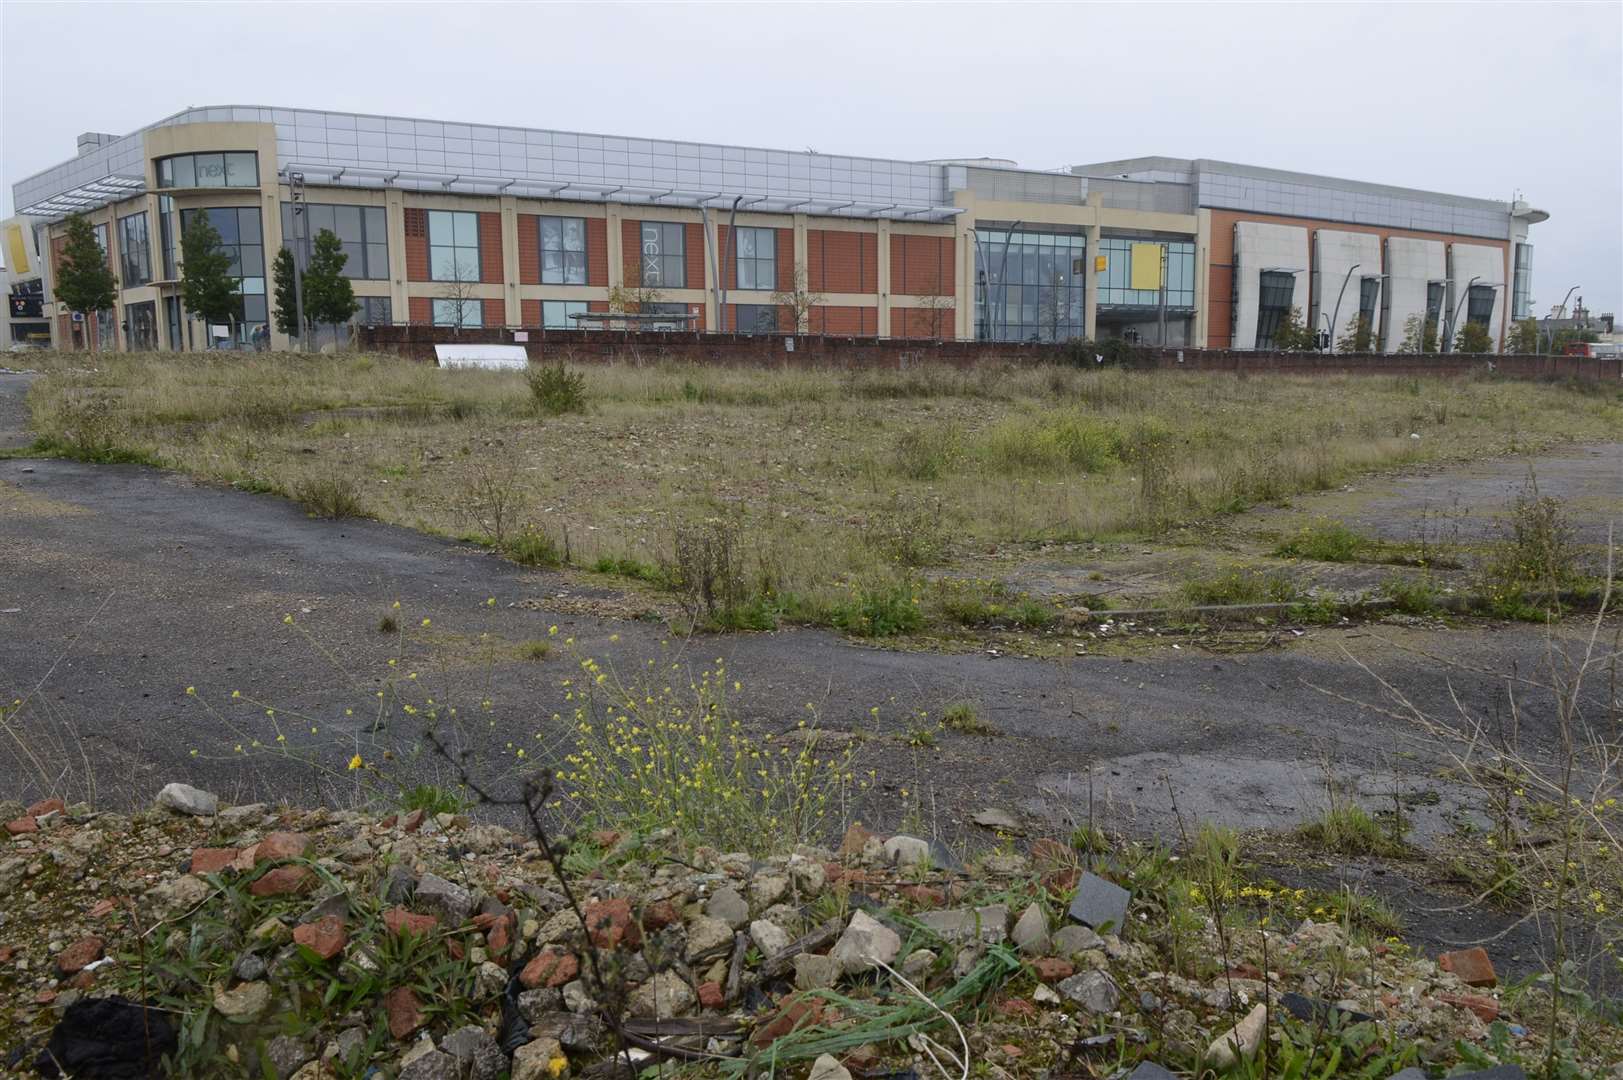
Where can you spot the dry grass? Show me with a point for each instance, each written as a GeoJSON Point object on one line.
{"type": "Point", "coordinates": [810, 467]}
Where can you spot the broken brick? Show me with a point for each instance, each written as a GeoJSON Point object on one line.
{"type": "Point", "coordinates": [610, 924]}
{"type": "Point", "coordinates": [284, 881]}
{"type": "Point", "coordinates": [399, 921]}
{"type": "Point", "coordinates": [325, 937]}
{"type": "Point", "coordinates": [1471, 966]}
{"type": "Point", "coordinates": [799, 1012]}
{"type": "Point", "coordinates": [1486, 1008]}
{"type": "Point", "coordinates": [46, 806]}
{"type": "Point", "coordinates": [710, 995]}
{"type": "Point", "coordinates": [1052, 969]}
{"type": "Point", "coordinates": [404, 1010]}
{"type": "Point", "coordinates": [281, 846]}
{"type": "Point", "coordinates": [84, 951]}
{"type": "Point", "coordinates": [22, 825]}
{"type": "Point", "coordinates": [552, 967]}
{"type": "Point", "coordinates": [212, 860]}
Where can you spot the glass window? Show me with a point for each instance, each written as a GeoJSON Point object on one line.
{"type": "Point", "coordinates": [375, 311]}
{"type": "Point", "coordinates": [1521, 297]}
{"type": "Point", "coordinates": [171, 315]}
{"type": "Point", "coordinates": [241, 237]}
{"type": "Point", "coordinates": [757, 266]}
{"type": "Point", "coordinates": [360, 229]}
{"type": "Point", "coordinates": [555, 314]}
{"type": "Point", "coordinates": [1479, 304]}
{"type": "Point", "coordinates": [453, 246]}
{"type": "Point", "coordinates": [1369, 294]}
{"type": "Point", "coordinates": [134, 252]}
{"type": "Point", "coordinates": [238, 168]}
{"type": "Point", "coordinates": [168, 234]}
{"type": "Point", "coordinates": [1276, 289]}
{"type": "Point", "coordinates": [664, 250]}
{"type": "Point", "coordinates": [459, 313]}
{"type": "Point", "coordinates": [563, 251]}
{"type": "Point", "coordinates": [100, 232]}
{"type": "Point", "coordinates": [758, 319]}
{"type": "Point", "coordinates": [1115, 283]}
{"type": "Point", "coordinates": [1028, 286]}
{"type": "Point", "coordinates": [1434, 301]}
{"type": "Point", "coordinates": [141, 327]}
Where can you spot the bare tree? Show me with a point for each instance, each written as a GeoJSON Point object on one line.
{"type": "Point", "coordinates": [936, 311]}
{"type": "Point", "coordinates": [1054, 310]}
{"type": "Point", "coordinates": [458, 293]}
{"type": "Point", "coordinates": [632, 296]}
{"type": "Point", "coordinates": [799, 300]}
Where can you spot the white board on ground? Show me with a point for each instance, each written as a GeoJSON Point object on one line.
{"type": "Point", "coordinates": [487, 357]}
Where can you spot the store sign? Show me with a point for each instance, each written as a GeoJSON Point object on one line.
{"type": "Point", "coordinates": [650, 256]}
{"type": "Point", "coordinates": [27, 306]}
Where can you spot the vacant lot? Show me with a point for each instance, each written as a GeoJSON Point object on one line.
{"type": "Point", "coordinates": [878, 502]}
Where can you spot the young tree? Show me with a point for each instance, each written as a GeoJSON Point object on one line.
{"type": "Point", "coordinates": [1523, 338]}
{"type": "Point", "coordinates": [1293, 335]}
{"type": "Point", "coordinates": [1358, 338]}
{"type": "Point", "coordinates": [287, 297]}
{"type": "Point", "coordinates": [798, 301]}
{"type": "Point", "coordinates": [1473, 338]}
{"type": "Point", "coordinates": [83, 281]}
{"type": "Point", "coordinates": [631, 296]}
{"type": "Point", "coordinates": [328, 295]}
{"type": "Point", "coordinates": [1418, 337]}
{"type": "Point", "coordinates": [206, 284]}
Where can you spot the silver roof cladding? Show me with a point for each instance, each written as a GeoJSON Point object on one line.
{"type": "Point", "coordinates": [1230, 186]}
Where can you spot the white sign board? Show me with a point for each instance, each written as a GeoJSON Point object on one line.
{"type": "Point", "coordinates": [521, 335]}
{"type": "Point", "coordinates": [219, 330]}
{"type": "Point", "coordinates": [487, 357]}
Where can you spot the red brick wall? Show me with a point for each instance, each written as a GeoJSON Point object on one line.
{"type": "Point", "coordinates": [842, 262]}
{"type": "Point", "coordinates": [631, 251]}
{"type": "Point", "coordinates": [495, 312]}
{"type": "Point", "coordinates": [921, 265]}
{"type": "Point", "coordinates": [786, 259]}
{"type": "Point", "coordinates": [490, 249]}
{"type": "Point", "coordinates": [844, 321]}
{"type": "Point", "coordinates": [530, 312]}
{"type": "Point", "coordinates": [693, 239]}
{"type": "Point", "coordinates": [529, 249]}
{"type": "Point", "coordinates": [597, 252]}
{"type": "Point", "coordinates": [922, 322]}
{"type": "Point", "coordinates": [416, 244]}
{"type": "Point", "coordinates": [422, 308]}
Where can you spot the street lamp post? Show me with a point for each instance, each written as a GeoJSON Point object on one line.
{"type": "Point", "coordinates": [1454, 314]}
{"type": "Point", "coordinates": [1563, 314]}
{"type": "Point", "coordinates": [1335, 319]}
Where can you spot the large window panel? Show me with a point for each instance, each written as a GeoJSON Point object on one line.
{"type": "Point", "coordinates": [1027, 285]}
{"type": "Point", "coordinates": [563, 251]}
{"type": "Point", "coordinates": [243, 239]}
{"type": "Point", "coordinates": [134, 250]}
{"type": "Point", "coordinates": [1115, 284]}
{"type": "Point", "coordinates": [236, 168]}
{"type": "Point", "coordinates": [664, 255]}
{"type": "Point", "coordinates": [453, 245]}
{"type": "Point", "coordinates": [1276, 290]}
{"type": "Point", "coordinates": [555, 314]}
{"type": "Point", "coordinates": [1479, 304]}
{"type": "Point", "coordinates": [757, 259]}
{"type": "Point", "coordinates": [459, 313]}
{"type": "Point", "coordinates": [360, 229]}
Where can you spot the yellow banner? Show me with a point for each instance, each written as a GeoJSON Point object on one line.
{"type": "Point", "coordinates": [16, 250]}
{"type": "Point", "coordinates": [1146, 266]}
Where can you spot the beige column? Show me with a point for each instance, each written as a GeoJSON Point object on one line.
{"type": "Point", "coordinates": [1203, 276]}
{"type": "Point", "coordinates": [617, 262]}
{"type": "Point", "coordinates": [1090, 276]}
{"type": "Point", "coordinates": [964, 312]}
{"type": "Point", "coordinates": [712, 253]}
{"type": "Point", "coordinates": [802, 271]}
{"type": "Point", "coordinates": [513, 315]}
{"type": "Point", "coordinates": [394, 221]}
{"type": "Point", "coordinates": [884, 277]}
{"type": "Point", "coordinates": [270, 228]}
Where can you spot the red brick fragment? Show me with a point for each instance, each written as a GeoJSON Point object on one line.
{"type": "Point", "coordinates": [1486, 1008]}
{"type": "Point", "coordinates": [1052, 969]}
{"type": "Point", "coordinates": [22, 825]}
{"type": "Point", "coordinates": [284, 881]}
{"type": "Point", "coordinates": [552, 967]}
{"type": "Point", "coordinates": [610, 924]}
{"type": "Point", "coordinates": [212, 860]}
{"type": "Point", "coordinates": [84, 951]}
{"type": "Point", "coordinates": [399, 921]}
{"type": "Point", "coordinates": [325, 937]}
{"type": "Point", "coordinates": [710, 995]}
{"type": "Point", "coordinates": [1472, 966]}
{"type": "Point", "coordinates": [404, 1010]}
{"type": "Point", "coordinates": [46, 806]}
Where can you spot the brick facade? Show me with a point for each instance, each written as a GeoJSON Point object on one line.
{"type": "Point", "coordinates": [921, 265]}
{"type": "Point", "coordinates": [842, 262]}
{"type": "Point", "coordinates": [529, 249]}
{"type": "Point", "coordinates": [529, 312]}
{"type": "Point", "coordinates": [490, 248]}
{"type": "Point", "coordinates": [416, 225]}
{"type": "Point", "coordinates": [421, 309]}
{"type": "Point", "coordinates": [844, 320]}
{"type": "Point", "coordinates": [597, 252]}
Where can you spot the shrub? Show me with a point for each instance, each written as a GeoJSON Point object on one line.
{"type": "Point", "coordinates": [627, 567]}
{"type": "Point", "coordinates": [908, 531]}
{"type": "Point", "coordinates": [534, 547]}
{"type": "Point", "coordinates": [926, 453]}
{"type": "Point", "coordinates": [964, 718]}
{"type": "Point", "coordinates": [433, 799]}
{"type": "Point", "coordinates": [649, 756]}
{"type": "Point", "coordinates": [1412, 595]}
{"type": "Point", "coordinates": [879, 612]}
{"type": "Point", "coordinates": [1535, 557]}
{"type": "Point", "coordinates": [1350, 830]}
{"type": "Point", "coordinates": [1238, 587]}
{"type": "Point", "coordinates": [1324, 541]}
{"type": "Point", "coordinates": [706, 569]}
{"type": "Point", "coordinates": [329, 496]}
{"type": "Point", "coordinates": [555, 389]}
{"type": "Point", "coordinates": [1053, 443]}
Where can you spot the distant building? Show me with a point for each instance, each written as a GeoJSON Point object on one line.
{"type": "Point", "coordinates": [24, 274]}
{"type": "Point", "coordinates": [519, 227]}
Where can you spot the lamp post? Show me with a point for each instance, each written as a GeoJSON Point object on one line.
{"type": "Point", "coordinates": [1335, 319]}
{"type": "Point", "coordinates": [1455, 315]}
{"type": "Point", "coordinates": [1563, 314]}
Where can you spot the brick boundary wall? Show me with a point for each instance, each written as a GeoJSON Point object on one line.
{"type": "Point", "coordinates": [417, 342]}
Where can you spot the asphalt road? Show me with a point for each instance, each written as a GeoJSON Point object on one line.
{"type": "Point", "coordinates": [121, 586]}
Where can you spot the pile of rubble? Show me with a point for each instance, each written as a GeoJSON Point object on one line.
{"type": "Point", "coordinates": [315, 944]}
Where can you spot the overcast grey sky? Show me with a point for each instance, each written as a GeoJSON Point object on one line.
{"type": "Point", "coordinates": [1472, 99]}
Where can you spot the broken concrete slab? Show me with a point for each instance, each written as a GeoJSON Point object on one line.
{"type": "Point", "coordinates": [1099, 903]}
